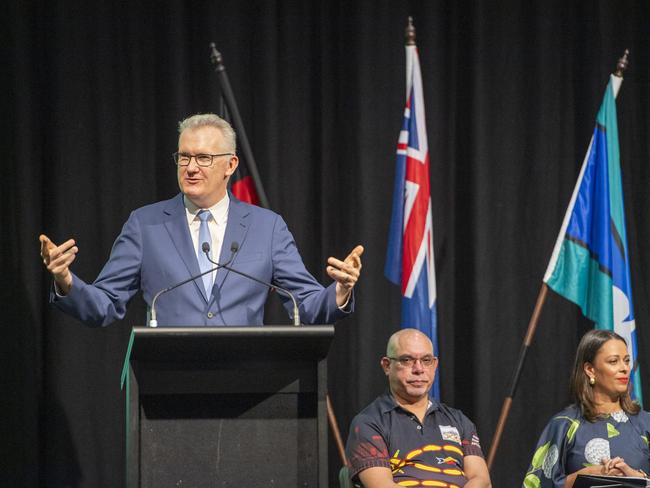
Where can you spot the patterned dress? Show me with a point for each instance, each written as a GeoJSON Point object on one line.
{"type": "Point", "coordinates": [569, 443]}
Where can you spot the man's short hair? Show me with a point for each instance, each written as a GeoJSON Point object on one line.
{"type": "Point", "coordinates": [211, 120]}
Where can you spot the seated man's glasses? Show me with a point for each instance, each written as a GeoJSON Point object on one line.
{"type": "Point", "coordinates": [183, 159]}
{"type": "Point", "coordinates": [408, 361]}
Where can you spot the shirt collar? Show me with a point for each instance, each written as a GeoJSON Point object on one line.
{"type": "Point", "coordinates": [387, 403]}
{"type": "Point", "coordinates": [219, 210]}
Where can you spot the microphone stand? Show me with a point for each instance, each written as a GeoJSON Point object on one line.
{"type": "Point", "coordinates": [153, 322]}
{"type": "Point", "coordinates": [234, 247]}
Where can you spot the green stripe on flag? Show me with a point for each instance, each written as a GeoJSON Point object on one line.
{"type": "Point", "coordinates": [579, 278]}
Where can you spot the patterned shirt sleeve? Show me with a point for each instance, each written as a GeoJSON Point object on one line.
{"type": "Point", "coordinates": [366, 447]}
{"type": "Point", "coordinates": [471, 442]}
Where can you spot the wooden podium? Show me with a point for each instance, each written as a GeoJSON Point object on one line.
{"type": "Point", "coordinates": [227, 406]}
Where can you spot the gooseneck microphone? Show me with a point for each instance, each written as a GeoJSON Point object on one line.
{"type": "Point", "coordinates": [234, 247]}
{"type": "Point", "coordinates": [153, 322]}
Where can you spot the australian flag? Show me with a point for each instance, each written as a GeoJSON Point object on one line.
{"type": "Point", "coordinates": [410, 260]}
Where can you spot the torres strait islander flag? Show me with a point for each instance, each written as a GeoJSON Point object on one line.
{"type": "Point", "coordinates": [590, 264]}
{"type": "Point", "coordinates": [409, 259]}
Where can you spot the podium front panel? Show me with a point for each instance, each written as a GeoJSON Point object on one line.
{"type": "Point", "coordinates": [233, 440]}
{"type": "Point", "coordinates": [228, 408]}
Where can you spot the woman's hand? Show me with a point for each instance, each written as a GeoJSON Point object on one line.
{"type": "Point", "coordinates": [619, 464]}
{"type": "Point", "coordinates": [607, 468]}
{"type": "Point", "coordinates": [614, 467]}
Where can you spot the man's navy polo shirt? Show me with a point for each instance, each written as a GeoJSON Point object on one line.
{"type": "Point", "coordinates": [386, 435]}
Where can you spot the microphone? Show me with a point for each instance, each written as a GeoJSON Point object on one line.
{"type": "Point", "coordinates": [234, 247]}
{"type": "Point", "coordinates": [153, 322]}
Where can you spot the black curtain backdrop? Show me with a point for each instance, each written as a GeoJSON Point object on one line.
{"type": "Point", "coordinates": [94, 91]}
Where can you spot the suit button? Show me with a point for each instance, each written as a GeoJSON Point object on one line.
{"type": "Point", "coordinates": [210, 315]}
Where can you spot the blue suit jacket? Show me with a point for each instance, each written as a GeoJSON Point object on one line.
{"type": "Point", "coordinates": [155, 250]}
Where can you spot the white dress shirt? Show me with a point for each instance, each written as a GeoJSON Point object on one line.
{"type": "Point", "coordinates": [216, 223]}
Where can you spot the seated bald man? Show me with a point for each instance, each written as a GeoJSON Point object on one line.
{"type": "Point", "coordinates": [405, 438]}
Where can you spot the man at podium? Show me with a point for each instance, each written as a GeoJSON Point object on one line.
{"type": "Point", "coordinates": [171, 241]}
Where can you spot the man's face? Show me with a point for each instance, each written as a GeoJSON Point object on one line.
{"type": "Point", "coordinates": [411, 383]}
{"type": "Point", "coordinates": [205, 186]}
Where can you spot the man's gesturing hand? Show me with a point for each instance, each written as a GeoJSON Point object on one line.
{"type": "Point", "coordinates": [57, 260]}
{"type": "Point", "coordinates": [345, 273]}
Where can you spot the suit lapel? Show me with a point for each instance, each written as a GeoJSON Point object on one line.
{"type": "Point", "coordinates": [179, 233]}
{"type": "Point", "coordinates": [236, 230]}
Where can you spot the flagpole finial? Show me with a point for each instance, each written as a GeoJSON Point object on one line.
{"type": "Point", "coordinates": [216, 58]}
{"type": "Point", "coordinates": [622, 63]}
{"type": "Point", "coordinates": [409, 33]}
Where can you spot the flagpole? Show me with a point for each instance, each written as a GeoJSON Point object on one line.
{"type": "Point", "coordinates": [226, 90]}
{"type": "Point", "coordinates": [507, 403]}
{"type": "Point", "coordinates": [334, 425]}
{"type": "Point", "coordinates": [621, 65]}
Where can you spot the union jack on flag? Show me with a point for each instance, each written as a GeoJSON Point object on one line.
{"type": "Point", "coordinates": [409, 259]}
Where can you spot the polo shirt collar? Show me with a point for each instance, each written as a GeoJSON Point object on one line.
{"type": "Point", "coordinates": [387, 403]}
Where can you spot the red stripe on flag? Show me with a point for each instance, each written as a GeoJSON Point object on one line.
{"type": "Point", "coordinates": [244, 190]}
{"type": "Point", "coordinates": [414, 230]}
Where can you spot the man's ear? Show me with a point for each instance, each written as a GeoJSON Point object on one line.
{"type": "Point", "coordinates": [232, 165]}
{"type": "Point", "coordinates": [385, 365]}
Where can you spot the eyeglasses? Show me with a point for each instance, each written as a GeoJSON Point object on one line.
{"type": "Point", "coordinates": [183, 159]}
{"type": "Point", "coordinates": [409, 362]}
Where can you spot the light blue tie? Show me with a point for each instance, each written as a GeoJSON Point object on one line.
{"type": "Point", "coordinates": [204, 263]}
